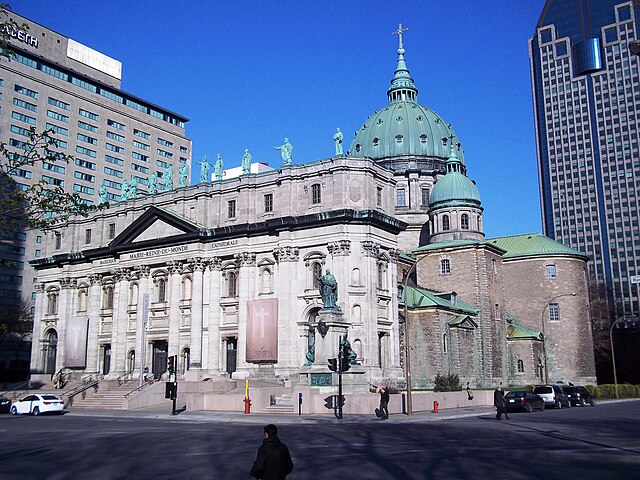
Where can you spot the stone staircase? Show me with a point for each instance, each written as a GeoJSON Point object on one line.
{"type": "Point", "coordinates": [109, 396]}
{"type": "Point", "coordinates": [283, 403]}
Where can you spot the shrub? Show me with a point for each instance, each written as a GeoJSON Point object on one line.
{"type": "Point", "coordinates": [447, 383]}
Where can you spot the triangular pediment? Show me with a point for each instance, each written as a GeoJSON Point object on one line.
{"type": "Point", "coordinates": [155, 226]}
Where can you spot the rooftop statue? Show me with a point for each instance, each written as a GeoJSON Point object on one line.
{"type": "Point", "coordinates": [167, 176]}
{"type": "Point", "coordinates": [217, 168]}
{"type": "Point", "coordinates": [103, 195]}
{"type": "Point", "coordinates": [328, 286]}
{"type": "Point", "coordinates": [246, 162]}
{"type": "Point", "coordinates": [183, 174]}
{"type": "Point", "coordinates": [204, 170]}
{"type": "Point", "coordinates": [286, 150]}
{"type": "Point", "coordinates": [133, 187]}
{"type": "Point", "coordinates": [338, 137]}
{"type": "Point", "coordinates": [153, 183]}
{"type": "Point", "coordinates": [124, 191]}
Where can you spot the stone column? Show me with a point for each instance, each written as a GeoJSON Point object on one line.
{"type": "Point", "coordinates": [394, 340]}
{"type": "Point", "coordinates": [198, 266]}
{"type": "Point", "coordinates": [291, 350]}
{"type": "Point", "coordinates": [120, 321]}
{"type": "Point", "coordinates": [340, 252]}
{"type": "Point", "coordinates": [370, 252]}
{"type": "Point", "coordinates": [65, 311]}
{"type": "Point", "coordinates": [37, 357]}
{"type": "Point", "coordinates": [214, 364]}
{"type": "Point", "coordinates": [246, 291]}
{"type": "Point", "coordinates": [93, 307]}
{"type": "Point", "coordinates": [175, 314]}
{"type": "Point", "coordinates": [143, 273]}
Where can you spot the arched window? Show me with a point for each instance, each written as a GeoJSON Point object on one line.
{"type": "Point", "coordinates": [464, 221]}
{"type": "Point", "coordinates": [445, 266]}
{"type": "Point", "coordinates": [355, 277]}
{"type": "Point", "coordinates": [445, 223]}
{"type": "Point", "coordinates": [161, 290]}
{"type": "Point", "coordinates": [131, 361]}
{"type": "Point", "coordinates": [50, 351]}
{"type": "Point", "coordinates": [232, 284]}
{"type": "Point", "coordinates": [82, 300]}
{"type": "Point", "coordinates": [52, 302]}
{"type": "Point", "coordinates": [107, 297]}
{"type": "Point", "coordinates": [356, 314]}
{"type": "Point", "coordinates": [520, 366]}
{"type": "Point", "coordinates": [316, 271]}
{"type": "Point", "coordinates": [266, 281]}
{"type": "Point", "coordinates": [185, 360]}
{"type": "Point", "coordinates": [186, 288]}
{"type": "Point", "coordinates": [380, 276]}
{"type": "Point", "coordinates": [479, 223]}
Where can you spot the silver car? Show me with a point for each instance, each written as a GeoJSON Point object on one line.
{"type": "Point", "coordinates": [553, 396]}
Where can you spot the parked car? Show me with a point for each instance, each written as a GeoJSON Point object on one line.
{"type": "Point", "coordinates": [553, 396]}
{"type": "Point", "coordinates": [5, 405]}
{"type": "Point", "coordinates": [38, 404]}
{"type": "Point", "coordinates": [579, 395]}
{"type": "Point", "coordinates": [523, 401]}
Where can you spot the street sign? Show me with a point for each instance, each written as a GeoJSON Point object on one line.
{"type": "Point", "coordinates": [635, 278]}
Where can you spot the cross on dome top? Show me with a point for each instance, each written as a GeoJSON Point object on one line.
{"type": "Point", "coordinates": [399, 32]}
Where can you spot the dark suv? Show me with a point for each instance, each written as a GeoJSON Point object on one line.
{"type": "Point", "coordinates": [553, 396]}
{"type": "Point", "coordinates": [579, 395]}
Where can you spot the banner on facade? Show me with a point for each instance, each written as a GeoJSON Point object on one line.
{"type": "Point", "coordinates": [262, 331]}
{"type": "Point", "coordinates": [75, 344]}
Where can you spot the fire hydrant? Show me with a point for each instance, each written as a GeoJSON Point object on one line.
{"type": "Point", "coordinates": [435, 406]}
{"type": "Point", "coordinates": [247, 405]}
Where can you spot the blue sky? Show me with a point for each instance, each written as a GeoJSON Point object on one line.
{"type": "Point", "coordinates": [249, 73]}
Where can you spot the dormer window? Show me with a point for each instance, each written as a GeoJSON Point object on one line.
{"type": "Point", "coordinates": [423, 138]}
{"type": "Point", "coordinates": [376, 142]}
{"type": "Point", "coordinates": [398, 138]}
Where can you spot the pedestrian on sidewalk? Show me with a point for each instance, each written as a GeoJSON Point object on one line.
{"type": "Point", "coordinates": [500, 403]}
{"type": "Point", "coordinates": [384, 402]}
{"type": "Point", "coordinates": [273, 461]}
{"type": "Point", "coordinates": [469, 392]}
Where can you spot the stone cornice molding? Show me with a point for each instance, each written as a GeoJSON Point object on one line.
{"type": "Point", "coordinates": [339, 248]}
{"type": "Point", "coordinates": [286, 254]}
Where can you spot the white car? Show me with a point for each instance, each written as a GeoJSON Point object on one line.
{"type": "Point", "coordinates": [38, 404]}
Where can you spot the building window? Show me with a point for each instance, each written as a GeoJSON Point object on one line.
{"type": "Point", "coordinates": [316, 272]}
{"type": "Point", "coordinates": [379, 196]}
{"type": "Point", "coordinates": [445, 343]}
{"type": "Point", "coordinates": [82, 300]}
{"type": "Point", "coordinates": [232, 284]}
{"type": "Point", "coordinates": [87, 236]}
{"type": "Point", "coordinates": [52, 303]}
{"type": "Point", "coordinates": [494, 266]}
{"type": "Point", "coordinates": [554, 312]}
{"type": "Point", "coordinates": [107, 298]}
{"type": "Point", "coordinates": [268, 202]}
{"type": "Point", "coordinates": [445, 223]}
{"type": "Point", "coordinates": [520, 366]}
{"type": "Point", "coordinates": [550, 271]}
{"type": "Point", "coordinates": [186, 288]}
{"type": "Point", "coordinates": [316, 194]}
{"type": "Point", "coordinates": [445, 266]}
{"type": "Point", "coordinates": [425, 197]}
{"type": "Point", "coordinates": [131, 362]}
{"type": "Point", "coordinates": [380, 276]}
{"type": "Point", "coordinates": [231, 208]}
{"type": "Point", "coordinates": [464, 221]}
{"type": "Point", "coordinates": [58, 241]}
{"type": "Point", "coordinates": [266, 281]}
{"type": "Point", "coordinates": [401, 200]}
{"type": "Point", "coordinates": [161, 286]}
{"type": "Point", "coordinates": [112, 231]}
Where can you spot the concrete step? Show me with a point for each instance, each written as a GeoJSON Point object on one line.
{"type": "Point", "coordinates": [285, 409]}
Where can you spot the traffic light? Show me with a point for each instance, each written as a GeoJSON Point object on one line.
{"type": "Point", "coordinates": [346, 350]}
{"type": "Point", "coordinates": [333, 364]}
{"type": "Point", "coordinates": [171, 364]}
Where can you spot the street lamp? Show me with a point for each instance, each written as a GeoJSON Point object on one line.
{"type": "Point", "coordinates": [544, 334]}
{"type": "Point", "coordinates": [613, 355]}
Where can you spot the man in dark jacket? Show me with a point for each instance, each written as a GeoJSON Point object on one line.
{"type": "Point", "coordinates": [384, 402]}
{"type": "Point", "coordinates": [273, 461]}
{"type": "Point", "coordinates": [500, 403]}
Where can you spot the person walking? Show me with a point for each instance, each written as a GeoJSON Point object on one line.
{"type": "Point", "coordinates": [273, 461]}
{"type": "Point", "coordinates": [500, 403]}
{"type": "Point", "coordinates": [384, 402]}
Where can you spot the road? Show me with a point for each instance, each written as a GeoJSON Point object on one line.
{"type": "Point", "coordinates": [601, 442]}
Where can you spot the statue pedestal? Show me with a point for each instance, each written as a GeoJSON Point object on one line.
{"type": "Point", "coordinates": [334, 326]}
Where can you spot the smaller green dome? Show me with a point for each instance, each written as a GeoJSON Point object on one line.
{"type": "Point", "coordinates": [454, 187]}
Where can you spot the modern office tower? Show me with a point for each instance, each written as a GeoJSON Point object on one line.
{"type": "Point", "coordinates": [54, 82]}
{"type": "Point", "coordinates": [586, 97]}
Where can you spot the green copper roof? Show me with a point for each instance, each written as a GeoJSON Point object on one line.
{"type": "Point", "coordinates": [448, 244]}
{"type": "Point", "coordinates": [518, 332]}
{"type": "Point", "coordinates": [454, 187]}
{"type": "Point", "coordinates": [403, 127]}
{"type": "Point", "coordinates": [531, 244]}
{"type": "Point", "coordinates": [418, 297]}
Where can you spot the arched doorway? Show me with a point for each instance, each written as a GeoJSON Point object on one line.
{"type": "Point", "coordinates": [106, 359]}
{"type": "Point", "coordinates": [232, 353]}
{"type": "Point", "coordinates": [50, 351]}
{"type": "Point", "coordinates": [186, 360]}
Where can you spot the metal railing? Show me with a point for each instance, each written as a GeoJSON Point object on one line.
{"type": "Point", "coordinates": [81, 389]}
{"type": "Point", "coordinates": [141, 387]}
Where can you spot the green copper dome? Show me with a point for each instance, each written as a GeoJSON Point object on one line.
{"type": "Point", "coordinates": [403, 127]}
{"type": "Point", "coordinates": [454, 187]}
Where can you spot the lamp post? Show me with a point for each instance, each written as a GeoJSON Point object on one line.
{"type": "Point", "coordinates": [613, 356]}
{"type": "Point", "coordinates": [544, 334]}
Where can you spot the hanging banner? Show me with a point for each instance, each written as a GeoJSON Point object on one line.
{"type": "Point", "coordinates": [75, 342]}
{"type": "Point", "coordinates": [262, 331]}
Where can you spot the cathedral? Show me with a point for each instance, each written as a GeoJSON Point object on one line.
{"type": "Point", "coordinates": [225, 274]}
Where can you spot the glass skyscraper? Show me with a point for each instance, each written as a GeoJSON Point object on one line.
{"type": "Point", "coordinates": [586, 97]}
